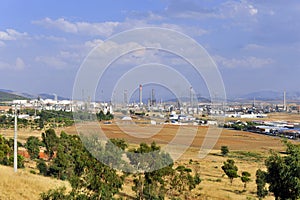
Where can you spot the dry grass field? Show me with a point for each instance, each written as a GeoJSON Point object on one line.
{"type": "Point", "coordinates": [248, 150]}
{"type": "Point", "coordinates": [24, 185]}
{"type": "Point", "coordinates": [292, 117]}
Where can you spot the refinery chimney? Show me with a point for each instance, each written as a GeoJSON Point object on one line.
{"type": "Point", "coordinates": [284, 101]}
{"type": "Point", "coordinates": [141, 94]}
{"type": "Point", "coordinates": [191, 96]}
{"type": "Point", "coordinates": [125, 98]}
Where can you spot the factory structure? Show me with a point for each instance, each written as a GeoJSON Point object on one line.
{"type": "Point", "coordinates": [188, 110]}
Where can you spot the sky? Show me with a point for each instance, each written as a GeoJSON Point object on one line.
{"type": "Point", "coordinates": [255, 44]}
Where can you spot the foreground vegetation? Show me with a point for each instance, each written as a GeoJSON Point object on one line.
{"type": "Point", "coordinates": [90, 179]}
{"type": "Point", "coordinates": [68, 159]}
{"type": "Point", "coordinates": [45, 119]}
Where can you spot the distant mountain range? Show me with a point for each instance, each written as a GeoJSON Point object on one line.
{"type": "Point", "coordinates": [187, 99]}
{"type": "Point", "coordinates": [8, 95]}
{"type": "Point", "coordinates": [267, 95]}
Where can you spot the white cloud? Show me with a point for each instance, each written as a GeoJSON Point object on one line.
{"type": "Point", "coordinates": [52, 61]}
{"type": "Point", "coordinates": [101, 29]}
{"type": "Point", "coordinates": [251, 47]}
{"type": "Point", "coordinates": [11, 34]}
{"type": "Point", "coordinates": [67, 54]}
{"type": "Point", "coordinates": [246, 62]}
{"type": "Point", "coordinates": [154, 16]}
{"type": "Point", "coordinates": [233, 9]}
{"type": "Point", "coordinates": [93, 43]}
{"type": "Point", "coordinates": [106, 29]}
{"type": "Point", "coordinates": [252, 10]}
{"type": "Point", "coordinates": [190, 9]}
{"type": "Point", "coordinates": [50, 38]}
{"type": "Point", "coordinates": [18, 65]}
{"type": "Point", "coordinates": [193, 9]}
{"type": "Point", "coordinates": [189, 30]}
{"type": "Point", "coordinates": [2, 44]}
{"type": "Point", "coordinates": [5, 36]}
{"type": "Point", "coordinates": [60, 24]}
{"type": "Point", "coordinates": [4, 65]}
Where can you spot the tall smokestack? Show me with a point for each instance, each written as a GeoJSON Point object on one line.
{"type": "Point", "coordinates": [141, 95]}
{"type": "Point", "coordinates": [153, 100]}
{"type": "Point", "coordinates": [55, 97]}
{"type": "Point", "coordinates": [125, 98]}
{"type": "Point", "coordinates": [191, 96]}
{"type": "Point", "coordinates": [284, 101]}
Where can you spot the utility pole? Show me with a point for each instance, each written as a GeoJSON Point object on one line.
{"type": "Point", "coordinates": [15, 141]}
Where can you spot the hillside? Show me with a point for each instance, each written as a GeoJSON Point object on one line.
{"type": "Point", "coordinates": [25, 185]}
{"type": "Point", "coordinates": [9, 95]}
{"type": "Point", "coordinates": [5, 96]}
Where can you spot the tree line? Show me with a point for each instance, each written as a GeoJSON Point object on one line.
{"type": "Point", "coordinates": [50, 118]}
{"type": "Point", "coordinates": [282, 175]}
{"type": "Point", "coordinates": [69, 159]}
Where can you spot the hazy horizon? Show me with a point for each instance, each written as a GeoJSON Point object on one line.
{"type": "Point", "coordinates": [255, 44]}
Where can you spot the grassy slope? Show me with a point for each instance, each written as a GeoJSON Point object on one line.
{"type": "Point", "coordinates": [214, 184]}
{"type": "Point", "coordinates": [4, 96]}
{"type": "Point", "coordinates": [24, 185]}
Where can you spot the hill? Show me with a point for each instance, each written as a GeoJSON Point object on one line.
{"type": "Point", "coordinates": [268, 95]}
{"type": "Point", "coordinates": [5, 96]}
{"type": "Point", "coordinates": [24, 185]}
{"type": "Point", "coordinates": [12, 95]}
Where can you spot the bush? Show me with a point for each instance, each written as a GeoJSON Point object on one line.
{"type": "Point", "coordinates": [57, 194]}
{"type": "Point", "coordinates": [33, 147]}
{"type": "Point", "coordinates": [283, 173]}
{"type": "Point", "coordinates": [42, 167]}
{"type": "Point", "coordinates": [230, 169]}
{"type": "Point", "coordinates": [224, 150]}
{"type": "Point", "coordinates": [20, 162]}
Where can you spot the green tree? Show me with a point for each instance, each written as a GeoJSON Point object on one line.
{"type": "Point", "coordinates": [42, 167]}
{"type": "Point", "coordinates": [41, 123]}
{"type": "Point", "coordinates": [283, 173]}
{"type": "Point", "coordinates": [89, 178]}
{"type": "Point", "coordinates": [101, 116]}
{"type": "Point", "coordinates": [62, 163]}
{"type": "Point", "coordinates": [150, 184]}
{"type": "Point", "coordinates": [182, 179]}
{"type": "Point", "coordinates": [245, 178]}
{"type": "Point", "coordinates": [261, 184]}
{"type": "Point", "coordinates": [230, 169]}
{"type": "Point", "coordinates": [20, 162]}
{"type": "Point", "coordinates": [113, 152]}
{"type": "Point", "coordinates": [224, 150]}
{"type": "Point", "coordinates": [5, 150]}
{"type": "Point", "coordinates": [50, 141]}
{"type": "Point", "coordinates": [33, 147]}
{"type": "Point", "coordinates": [55, 194]}
{"type": "Point", "coordinates": [119, 143]}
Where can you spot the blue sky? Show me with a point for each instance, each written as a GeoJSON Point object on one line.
{"type": "Point", "coordinates": [256, 44]}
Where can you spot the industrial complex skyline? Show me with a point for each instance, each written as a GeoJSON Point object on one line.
{"type": "Point", "coordinates": [255, 44]}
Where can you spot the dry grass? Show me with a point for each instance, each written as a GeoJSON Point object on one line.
{"type": "Point", "coordinates": [292, 117]}
{"type": "Point", "coordinates": [24, 185]}
{"type": "Point", "coordinates": [214, 185]}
